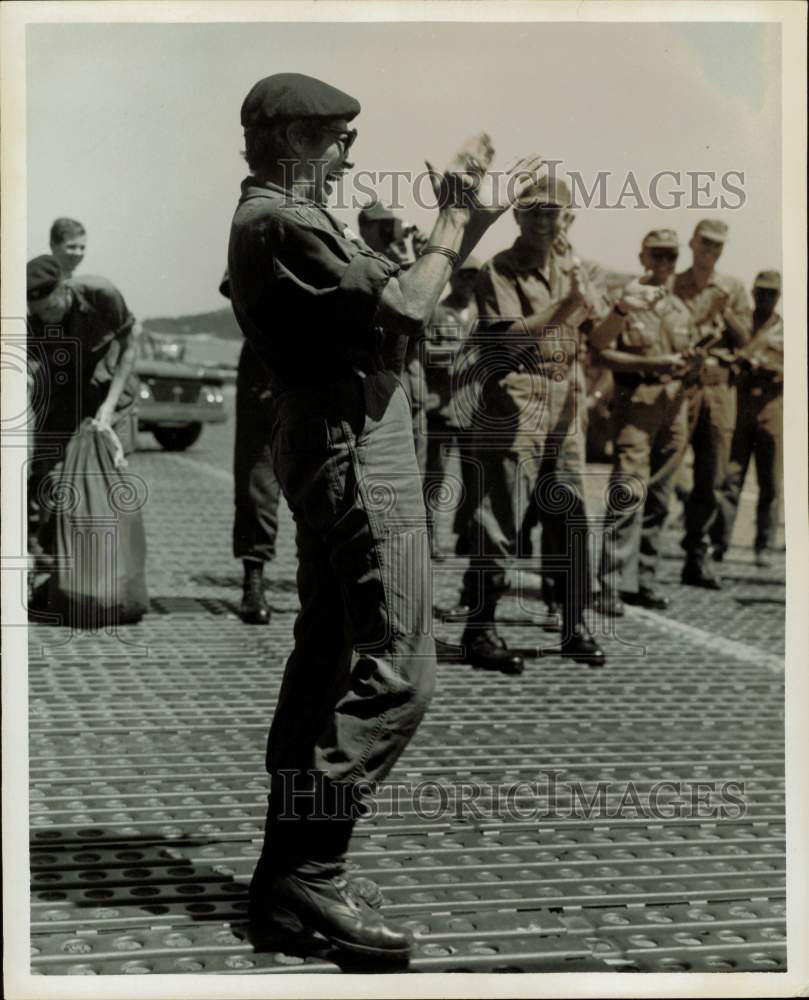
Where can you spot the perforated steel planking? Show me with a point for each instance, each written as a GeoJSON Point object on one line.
{"type": "Point", "coordinates": [148, 791]}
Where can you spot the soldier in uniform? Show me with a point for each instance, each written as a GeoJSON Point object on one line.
{"type": "Point", "coordinates": [534, 308]}
{"type": "Point", "coordinates": [325, 312]}
{"type": "Point", "coordinates": [759, 424]}
{"type": "Point", "coordinates": [450, 394]}
{"type": "Point", "coordinates": [256, 489]}
{"type": "Point", "coordinates": [88, 367]}
{"type": "Point", "coordinates": [721, 311]}
{"type": "Point", "coordinates": [650, 418]}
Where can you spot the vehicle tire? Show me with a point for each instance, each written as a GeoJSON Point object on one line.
{"type": "Point", "coordinates": [177, 438]}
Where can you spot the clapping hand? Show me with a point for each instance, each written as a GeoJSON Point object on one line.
{"type": "Point", "coordinates": [638, 297]}
{"type": "Point", "coordinates": [468, 184]}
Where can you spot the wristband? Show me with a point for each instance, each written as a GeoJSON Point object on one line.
{"type": "Point", "coordinates": [451, 255]}
{"type": "Point", "coordinates": [619, 311]}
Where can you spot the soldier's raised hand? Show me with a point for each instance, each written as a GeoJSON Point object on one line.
{"type": "Point", "coordinates": [467, 183]}
{"type": "Point", "coordinates": [638, 297]}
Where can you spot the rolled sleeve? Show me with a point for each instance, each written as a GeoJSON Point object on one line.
{"type": "Point", "coordinates": [361, 288]}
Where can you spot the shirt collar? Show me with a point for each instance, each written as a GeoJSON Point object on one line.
{"type": "Point", "coordinates": [521, 262]}
{"type": "Point", "coordinates": [253, 187]}
{"type": "Point", "coordinates": [689, 277]}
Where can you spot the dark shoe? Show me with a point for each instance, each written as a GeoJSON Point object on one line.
{"type": "Point", "coordinates": [646, 597]}
{"type": "Point", "coordinates": [718, 554]}
{"type": "Point", "coordinates": [608, 604]}
{"type": "Point", "coordinates": [762, 559]}
{"type": "Point", "coordinates": [485, 649]}
{"type": "Point", "coordinates": [696, 576]}
{"type": "Point", "coordinates": [254, 609]}
{"type": "Point", "coordinates": [332, 908]}
{"type": "Point", "coordinates": [582, 647]}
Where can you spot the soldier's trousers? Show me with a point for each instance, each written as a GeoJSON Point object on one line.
{"type": "Point", "coordinates": [650, 437]}
{"type": "Point", "coordinates": [362, 669]}
{"type": "Point", "coordinates": [439, 494]}
{"type": "Point", "coordinates": [712, 417]}
{"type": "Point", "coordinates": [256, 488]}
{"type": "Point", "coordinates": [517, 467]}
{"type": "Point", "coordinates": [758, 435]}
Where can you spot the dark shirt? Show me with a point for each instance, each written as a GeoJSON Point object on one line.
{"type": "Point", "coordinates": [304, 289]}
{"type": "Point", "coordinates": [77, 357]}
{"type": "Point", "coordinates": [766, 348]}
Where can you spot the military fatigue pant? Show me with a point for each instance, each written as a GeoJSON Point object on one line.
{"type": "Point", "coordinates": [441, 438]}
{"type": "Point", "coordinates": [256, 488]}
{"type": "Point", "coordinates": [532, 450]}
{"type": "Point", "coordinates": [363, 664]}
{"type": "Point", "coordinates": [650, 437]}
{"type": "Point", "coordinates": [758, 435]}
{"type": "Point", "coordinates": [712, 417]}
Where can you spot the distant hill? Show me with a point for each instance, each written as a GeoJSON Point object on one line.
{"type": "Point", "coordinates": [218, 323]}
{"type": "Point", "coordinates": [221, 322]}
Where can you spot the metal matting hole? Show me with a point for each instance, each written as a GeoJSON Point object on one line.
{"type": "Point", "coordinates": [188, 965]}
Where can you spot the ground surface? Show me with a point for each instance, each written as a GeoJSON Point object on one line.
{"type": "Point", "coordinates": [148, 789]}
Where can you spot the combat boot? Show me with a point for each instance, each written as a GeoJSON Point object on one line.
{"type": "Point", "coordinates": [488, 651]}
{"type": "Point", "coordinates": [579, 644]}
{"type": "Point", "coordinates": [291, 904]}
{"type": "Point", "coordinates": [254, 609]}
{"type": "Point", "coordinates": [694, 574]}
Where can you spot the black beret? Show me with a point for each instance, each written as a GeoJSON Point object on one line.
{"type": "Point", "coordinates": [293, 95]}
{"type": "Point", "coordinates": [44, 274]}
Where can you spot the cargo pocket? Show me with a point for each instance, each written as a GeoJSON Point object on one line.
{"type": "Point", "coordinates": [307, 466]}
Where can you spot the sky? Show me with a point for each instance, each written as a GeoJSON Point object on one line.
{"type": "Point", "coordinates": [134, 130]}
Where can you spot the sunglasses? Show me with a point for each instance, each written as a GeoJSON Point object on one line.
{"type": "Point", "coordinates": [668, 255]}
{"type": "Point", "coordinates": [346, 137]}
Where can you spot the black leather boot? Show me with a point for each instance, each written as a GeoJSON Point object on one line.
{"type": "Point", "coordinates": [485, 649]}
{"type": "Point", "coordinates": [331, 906]}
{"type": "Point", "coordinates": [579, 644]}
{"type": "Point", "coordinates": [254, 609]}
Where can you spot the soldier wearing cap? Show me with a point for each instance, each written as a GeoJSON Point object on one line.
{"type": "Point", "coordinates": [650, 428]}
{"type": "Point", "coordinates": [81, 338]}
{"type": "Point", "coordinates": [534, 308]}
{"type": "Point", "coordinates": [451, 395]}
{"type": "Point", "coordinates": [721, 312]}
{"type": "Point", "coordinates": [323, 311]}
{"type": "Point", "coordinates": [759, 423]}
